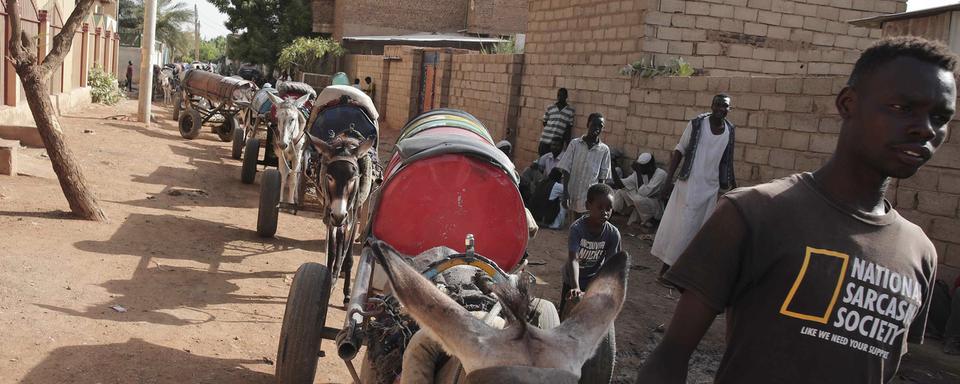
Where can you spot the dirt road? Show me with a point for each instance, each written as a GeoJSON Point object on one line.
{"type": "Point", "coordinates": [177, 287]}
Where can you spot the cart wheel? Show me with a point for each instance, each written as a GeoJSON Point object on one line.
{"type": "Point", "coordinates": [225, 130]}
{"type": "Point", "coordinates": [303, 320]}
{"type": "Point", "coordinates": [599, 368]}
{"type": "Point", "coordinates": [248, 171]}
{"type": "Point", "coordinates": [269, 203]}
{"type": "Point", "coordinates": [190, 124]}
{"type": "Point", "coordinates": [238, 141]}
{"type": "Point", "coordinates": [176, 106]}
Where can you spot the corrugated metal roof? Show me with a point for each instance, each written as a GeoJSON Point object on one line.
{"type": "Point", "coordinates": [426, 36]}
{"type": "Point", "coordinates": [877, 21]}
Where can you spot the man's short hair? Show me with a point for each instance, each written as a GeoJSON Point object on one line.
{"type": "Point", "coordinates": [594, 116]}
{"type": "Point", "coordinates": [564, 90]}
{"type": "Point", "coordinates": [597, 190]}
{"type": "Point", "coordinates": [367, 79]}
{"type": "Point", "coordinates": [888, 49]}
{"type": "Point", "coordinates": [719, 96]}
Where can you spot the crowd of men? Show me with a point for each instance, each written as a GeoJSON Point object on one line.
{"type": "Point", "coordinates": [820, 278]}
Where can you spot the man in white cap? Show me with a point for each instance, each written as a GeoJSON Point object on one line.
{"type": "Point", "coordinates": [638, 195]}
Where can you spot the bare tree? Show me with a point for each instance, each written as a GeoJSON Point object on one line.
{"type": "Point", "coordinates": [34, 75]}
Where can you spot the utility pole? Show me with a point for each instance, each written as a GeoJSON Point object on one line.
{"type": "Point", "coordinates": [196, 33]}
{"type": "Point", "coordinates": [146, 60]}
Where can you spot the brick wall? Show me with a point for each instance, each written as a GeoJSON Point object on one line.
{"type": "Point", "coordinates": [769, 37]}
{"type": "Point", "coordinates": [376, 17]}
{"type": "Point", "coordinates": [401, 81]}
{"type": "Point", "coordinates": [362, 66]}
{"type": "Point", "coordinates": [488, 86]}
{"type": "Point", "coordinates": [497, 17]}
{"type": "Point", "coordinates": [323, 12]}
{"type": "Point", "coordinates": [787, 125]}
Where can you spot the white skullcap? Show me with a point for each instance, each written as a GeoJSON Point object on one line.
{"type": "Point", "coordinates": [644, 158]}
{"type": "Point", "coordinates": [504, 144]}
{"type": "Point", "coordinates": [267, 85]}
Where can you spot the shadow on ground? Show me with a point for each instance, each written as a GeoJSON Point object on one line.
{"type": "Point", "coordinates": [144, 363]}
{"type": "Point", "coordinates": [178, 295]}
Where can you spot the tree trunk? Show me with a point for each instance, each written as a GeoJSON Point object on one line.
{"type": "Point", "coordinates": [74, 185]}
{"type": "Point", "coordinates": [34, 75]}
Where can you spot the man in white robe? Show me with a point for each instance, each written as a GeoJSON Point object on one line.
{"type": "Point", "coordinates": [638, 195]}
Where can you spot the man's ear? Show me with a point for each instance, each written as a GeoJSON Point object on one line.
{"type": "Point", "coordinates": [847, 102]}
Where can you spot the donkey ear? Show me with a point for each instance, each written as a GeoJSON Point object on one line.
{"type": "Point", "coordinates": [276, 100]}
{"type": "Point", "coordinates": [301, 100]}
{"type": "Point", "coordinates": [592, 318]}
{"type": "Point", "coordinates": [455, 328]}
{"type": "Point", "coordinates": [325, 149]}
{"type": "Point", "coordinates": [365, 146]}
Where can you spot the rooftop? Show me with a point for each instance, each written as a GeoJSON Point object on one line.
{"type": "Point", "coordinates": [877, 21]}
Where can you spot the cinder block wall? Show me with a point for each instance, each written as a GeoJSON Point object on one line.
{"type": "Point", "coordinates": [362, 66]}
{"type": "Point", "coordinates": [787, 125]}
{"type": "Point", "coordinates": [727, 37]}
{"type": "Point", "coordinates": [400, 86]}
{"type": "Point", "coordinates": [488, 87]}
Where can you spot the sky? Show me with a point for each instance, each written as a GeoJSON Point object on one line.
{"type": "Point", "coordinates": [212, 21]}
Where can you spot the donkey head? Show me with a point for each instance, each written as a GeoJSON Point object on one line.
{"type": "Point", "coordinates": [518, 353]}
{"type": "Point", "coordinates": [290, 122]}
{"type": "Point", "coordinates": [340, 174]}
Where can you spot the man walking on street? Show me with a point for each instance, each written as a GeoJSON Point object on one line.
{"type": "Point", "coordinates": [822, 281]}
{"type": "Point", "coordinates": [557, 123]}
{"type": "Point", "coordinates": [585, 162]}
{"type": "Point", "coordinates": [130, 76]}
{"type": "Point", "coordinates": [703, 163]}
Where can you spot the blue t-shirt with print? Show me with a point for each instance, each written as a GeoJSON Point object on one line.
{"type": "Point", "coordinates": [592, 250]}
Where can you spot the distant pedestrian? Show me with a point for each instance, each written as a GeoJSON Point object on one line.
{"type": "Point", "coordinates": [356, 83]}
{"type": "Point", "coordinates": [638, 195]}
{"type": "Point", "coordinates": [585, 162]}
{"type": "Point", "coordinates": [557, 123]}
{"type": "Point", "coordinates": [371, 87]}
{"type": "Point", "coordinates": [130, 76]}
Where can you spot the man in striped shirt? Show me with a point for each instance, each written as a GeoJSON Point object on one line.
{"type": "Point", "coordinates": [557, 123]}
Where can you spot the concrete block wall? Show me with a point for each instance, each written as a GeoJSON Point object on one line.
{"type": "Point", "coordinates": [488, 86]}
{"type": "Point", "coordinates": [787, 125]}
{"type": "Point", "coordinates": [496, 17]}
{"type": "Point", "coordinates": [731, 37]}
{"type": "Point", "coordinates": [362, 66]}
{"type": "Point", "coordinates": [400, 85]}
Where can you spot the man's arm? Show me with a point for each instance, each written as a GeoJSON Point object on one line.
{"type": "Point", "coordinates": [566, 194]}
{"type": "Point", "coordinates": [708, 271]}
{"type": "Point", "coordinates": [675, 159]}
{"type": "Point", "coordinates": [669, 361]}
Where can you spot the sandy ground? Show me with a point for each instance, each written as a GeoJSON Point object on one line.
{"type": "Point", "coordinates": [203, 295]}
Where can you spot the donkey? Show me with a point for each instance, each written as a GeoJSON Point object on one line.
{"type": "Point", "coordinates": [166, 86]}
{"type": "Point", "coordinates": [518, 353]}
{"type": "Point", "coordinates": [344, 182]}
{"type": "Point", "coordinates": [289, 144]}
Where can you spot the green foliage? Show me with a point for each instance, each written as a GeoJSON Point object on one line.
{"type": "Point", "coordinates": [305, 53]}
{"type": "Point", "coordinates": [261, 28]}
{"type": "Point", "coordinates": [173, 16]}
{"type": "Point", "coordinates": [213, 50]}
{"type": "Point", "coordinates": [647, 69]}
{"type": "Point", "coordinates": [104, 88]}
{"type": "Point", "coordinates": [508, 46]}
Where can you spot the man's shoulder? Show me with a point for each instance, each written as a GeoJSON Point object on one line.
{"type": "Point", "coordinates": [614, 231]}
{"type": "Point", "coordinates": [760, 195]}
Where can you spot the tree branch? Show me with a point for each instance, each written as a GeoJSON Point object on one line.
{"type": "Point", "coordinates": [18, 54]}
{"type": "Point", "coordinates": [63, 40]}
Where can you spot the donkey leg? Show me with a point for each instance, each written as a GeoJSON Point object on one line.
{"type": "Point", "coordinates": [347, 267]}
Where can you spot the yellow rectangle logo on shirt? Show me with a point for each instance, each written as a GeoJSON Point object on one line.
{"type": "Point", "coordinates": [817, 287]}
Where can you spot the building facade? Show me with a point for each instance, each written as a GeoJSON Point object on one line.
{"type": "Point", "coordinates": [340, 18]}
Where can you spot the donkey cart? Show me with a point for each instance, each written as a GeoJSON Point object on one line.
{"type": "Point", "coordinates": [205, 96]}
{"type": "Point", "coordinates": [449, 199]}
{"type": "Point", "coordinates": [260, 126]}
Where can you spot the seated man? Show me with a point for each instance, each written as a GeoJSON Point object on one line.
{"type": "Point", "coordinates": [639, 194]}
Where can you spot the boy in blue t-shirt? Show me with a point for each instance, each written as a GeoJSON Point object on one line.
{"type": "Point", "coordinates": [592, 241]}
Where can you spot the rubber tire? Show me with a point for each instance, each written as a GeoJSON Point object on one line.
{"type": "Point", "coordinates": [303, 319]}
{"type": "Point", "coordinates": [269, 203]}
{"type": "Point", "coordinates": [238, 142]}
{"type": "Point", "coordinates": [176, 106]}
{"type": "Point", "coordinates": [548, 317]}
{"type": "Point", "coordinates": [248, 170]}
{"type": "Point", "coordinates": [190, 125]}
{"type": "Point", "coordinates": [225, 130]}
{"type": "Point", "coordinates": [599, 368]}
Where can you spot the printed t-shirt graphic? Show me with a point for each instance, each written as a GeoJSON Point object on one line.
{"type": "Point", "coordinates": [817, 292]}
